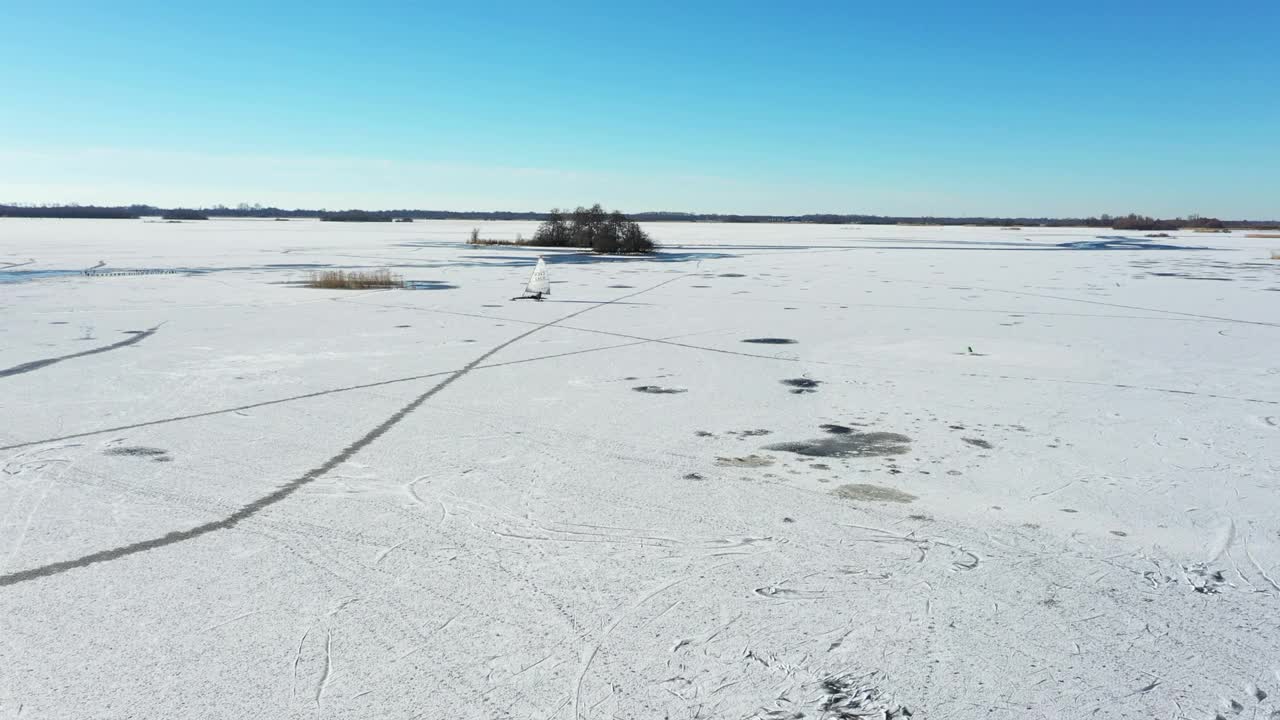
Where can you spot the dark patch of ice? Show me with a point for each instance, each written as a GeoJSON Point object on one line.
{"type": "Point", "coordinates": [135, 451]}
{"type": "Point", "coordinates": [871, 444]}
{"type": "Point", "coordinates": [873, 493]}
{"type": "Point", "coordinates": [801, 386]}
{"type": "Point", "coordinates": [1122, 242]}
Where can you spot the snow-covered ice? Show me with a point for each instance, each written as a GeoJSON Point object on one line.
{"type": "Point", "coordinates": [997, 474]}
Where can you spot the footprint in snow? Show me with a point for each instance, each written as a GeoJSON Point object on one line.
{"type": "Point", "coordinates": [1252, 703]}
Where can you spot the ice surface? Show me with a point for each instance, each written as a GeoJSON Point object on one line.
{"type": "Point", "coordinates": [224, 495]}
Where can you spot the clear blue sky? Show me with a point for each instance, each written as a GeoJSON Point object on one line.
{"type": "Point", "coordinates": [932, 107]}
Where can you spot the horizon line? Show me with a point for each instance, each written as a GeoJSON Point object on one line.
{"type": "Point", "coordinates": [245, 208]}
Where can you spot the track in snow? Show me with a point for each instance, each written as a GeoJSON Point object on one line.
{"type": "Point", "coordinates": [38, 364]}
{"type": "Point", "coordinates": [253, 508]}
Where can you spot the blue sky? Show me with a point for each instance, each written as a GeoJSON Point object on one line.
{"type": "Point", "coordinates": [1019, 108]}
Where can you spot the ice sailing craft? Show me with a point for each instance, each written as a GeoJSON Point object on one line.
{"type": "Point", "coordinates": [538, 284]}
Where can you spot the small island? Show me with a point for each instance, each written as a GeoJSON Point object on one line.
{"type": "Point", "coordinates": [609, 233]}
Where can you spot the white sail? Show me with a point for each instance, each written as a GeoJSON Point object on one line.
{"type": "Point", "coordinates": [538, 282]}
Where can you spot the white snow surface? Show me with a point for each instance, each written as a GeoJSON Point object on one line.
{"type": "Point", "coordinates": [437, 503]}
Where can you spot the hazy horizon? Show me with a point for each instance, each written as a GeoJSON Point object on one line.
{"type": "Point", "coordinates": [244, 205]}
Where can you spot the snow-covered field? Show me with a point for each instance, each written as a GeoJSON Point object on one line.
{"type": "Point", "coordinates": [1046, 486]}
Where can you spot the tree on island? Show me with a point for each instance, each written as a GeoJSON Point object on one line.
{"type": "Point", "coordinates": [593, 228]}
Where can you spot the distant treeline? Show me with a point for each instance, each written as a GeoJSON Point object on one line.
{"type": "Point", "coordinates": [69, 211]}
{"type": "Point", "coordinates": [1119, 222]}
{"type": "Point", "coordinates": [133, 212]}
{"type": "Point", "coordinates": [184, 214]}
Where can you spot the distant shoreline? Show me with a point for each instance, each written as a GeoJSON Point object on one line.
{"type": "Point", "coordinates": [134, 212]}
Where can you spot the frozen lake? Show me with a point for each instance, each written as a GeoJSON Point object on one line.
{"type": "Point", "coordinates": [775, 471]}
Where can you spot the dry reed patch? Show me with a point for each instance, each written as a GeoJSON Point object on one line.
{"type": "Point", "coordinates": [475, 239]}
{"type": "Point", "coordinates": [355, 280]}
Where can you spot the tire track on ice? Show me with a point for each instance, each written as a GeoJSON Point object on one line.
{"type": "Point", "coordinates": [1200, 316]}
{"type": "Point", "coordinates": [830, 363]}
{"type": "Point", "coordinates": [39, 364]}
{"type": "Point", "coordinates": [305, 396]}
{"type": "Point", "coordinates": [1124, 386]}
{"type": "Point", "coordinates": [253, 508]}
